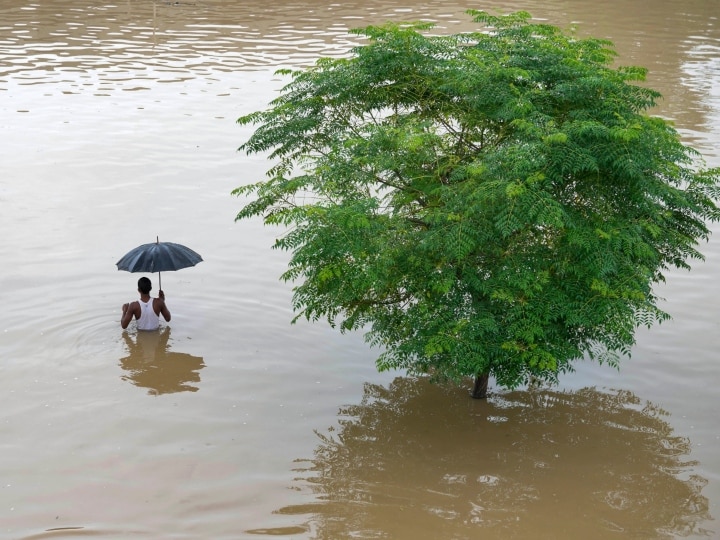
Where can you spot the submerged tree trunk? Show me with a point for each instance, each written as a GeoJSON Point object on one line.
{"type": "Point", "coordinates": [479, 390]}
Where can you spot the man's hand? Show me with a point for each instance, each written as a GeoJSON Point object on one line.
{"type": "Point", "coordinates": [125, 307]}
{"type": "Point", "coordinates": [161, 294]}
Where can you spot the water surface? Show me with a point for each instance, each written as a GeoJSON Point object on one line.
{"type": "Point", "coordinates": [118, 125]}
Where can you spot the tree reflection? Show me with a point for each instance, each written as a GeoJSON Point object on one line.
{"type": "Point", "coordinates": [150, 364]}
{"type": "Point", "coordinates": [417, 460]}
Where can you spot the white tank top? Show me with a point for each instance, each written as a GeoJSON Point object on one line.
{"type": "Point", "coordinates": [148, 319]}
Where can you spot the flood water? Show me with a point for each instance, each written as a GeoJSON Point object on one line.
{"type": "Point", "coordinates": [117, 127]}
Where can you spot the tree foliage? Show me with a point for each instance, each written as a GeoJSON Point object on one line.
{"type": "Point", "coordinates": [491, 202]}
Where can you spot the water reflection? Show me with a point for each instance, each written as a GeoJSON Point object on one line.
{"type": "Point", "coordinates": [422, 461]}
{"type": "Point", "coordinates": [150, 364]}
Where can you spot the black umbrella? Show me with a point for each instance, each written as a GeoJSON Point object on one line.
{"type": "Point", "coordinates": [158, 257]}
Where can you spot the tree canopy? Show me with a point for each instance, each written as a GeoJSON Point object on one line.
{"type": "Point", "coordinates": [495, 202]}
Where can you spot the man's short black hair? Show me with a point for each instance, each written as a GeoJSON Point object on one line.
{"type": "Point", "coordinates": [144, 285]}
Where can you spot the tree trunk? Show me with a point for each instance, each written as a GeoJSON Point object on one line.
{"type": "Point", "coordinates": [480, 388]}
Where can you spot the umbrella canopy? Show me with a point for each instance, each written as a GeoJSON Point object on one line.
{"type": "Point", "coordinates": [158, 257]}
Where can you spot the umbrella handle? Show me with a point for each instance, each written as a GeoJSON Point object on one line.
{"type": "Point", "coordinates": [157, 241]}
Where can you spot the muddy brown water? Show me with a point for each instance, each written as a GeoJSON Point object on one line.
{"type": "Point", "coordinates": [117, 126]}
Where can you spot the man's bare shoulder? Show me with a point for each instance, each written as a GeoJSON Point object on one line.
{"type": "Point", "coordinates": [158, 305]}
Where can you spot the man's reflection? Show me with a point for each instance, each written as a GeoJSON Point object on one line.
{"type": "Point", "coordinates": [152, 365]}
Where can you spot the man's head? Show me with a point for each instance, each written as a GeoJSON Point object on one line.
{"type": "Point", "coordinates": [144, 285]}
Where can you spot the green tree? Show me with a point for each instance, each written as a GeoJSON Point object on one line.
{"type": "Point", "coordinates": [491, 203]}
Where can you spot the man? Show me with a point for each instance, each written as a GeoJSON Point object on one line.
{"type": "Point", "coordinates": [147, 310]}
